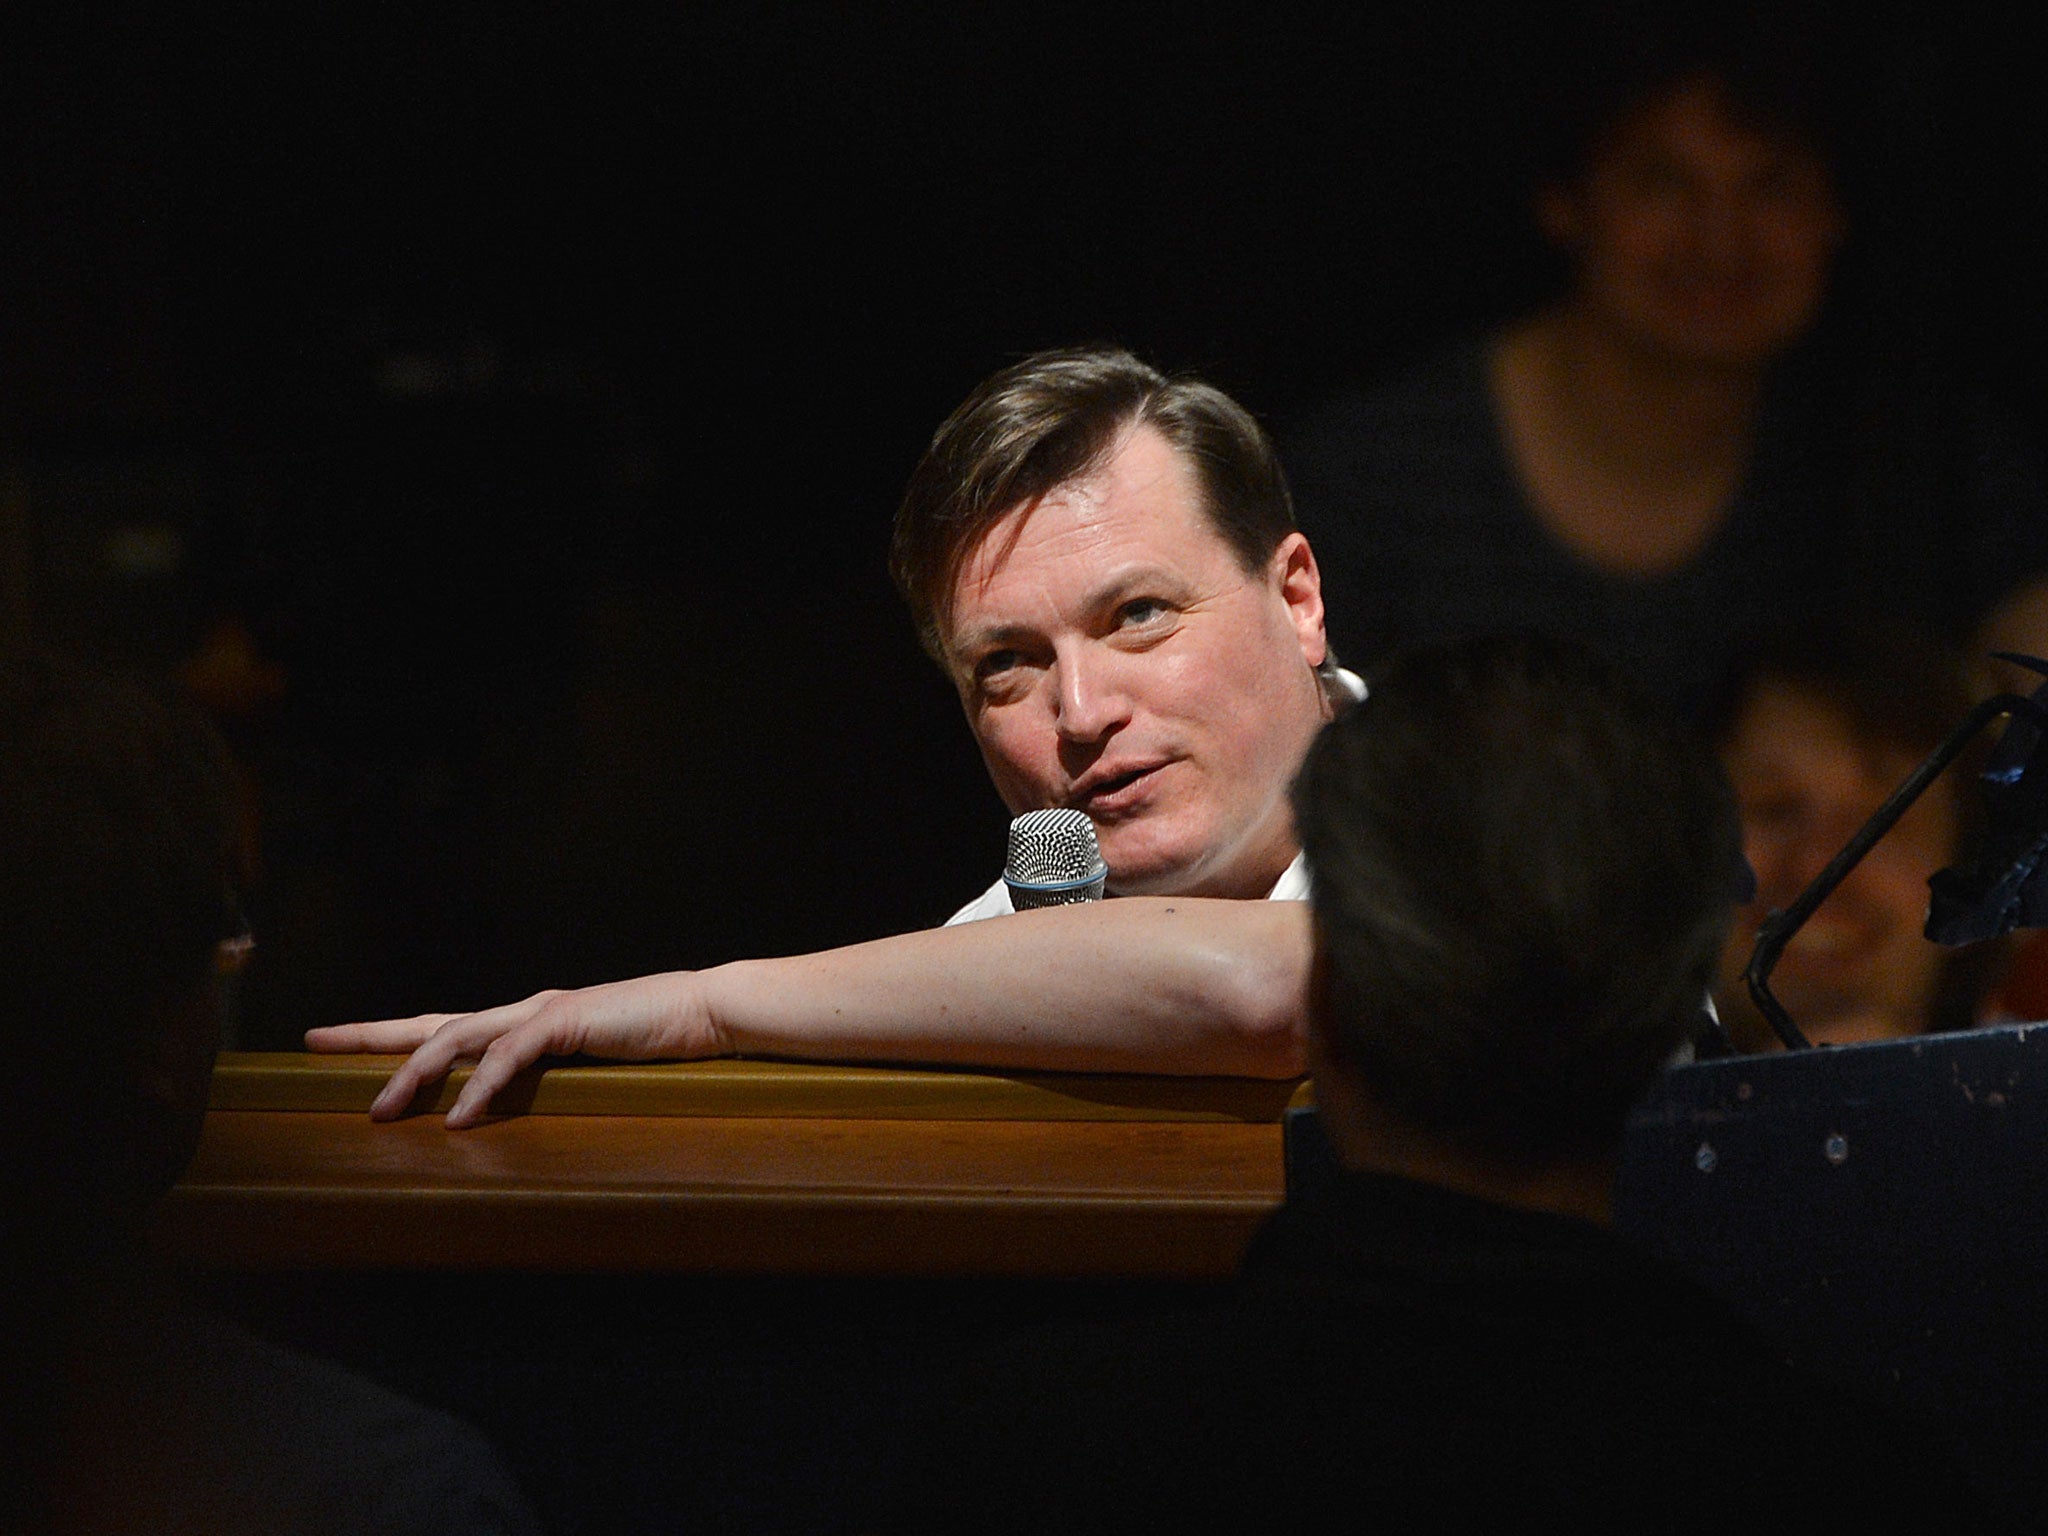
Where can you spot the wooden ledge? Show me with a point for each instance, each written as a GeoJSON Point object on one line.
{"type": "Point", "coordinates": [284, 1191]}
{"type": "Point", "coordinates": [293, 1081]}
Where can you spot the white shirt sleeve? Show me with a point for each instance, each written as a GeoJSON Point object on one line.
{"type": "Point", "coordinates": [1293, 884]}
{"type": "Point", "coordinates": [995, 901]}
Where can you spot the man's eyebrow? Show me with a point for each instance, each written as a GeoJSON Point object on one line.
{"type": "Point", "coordinates": [993, 636]}
{"type": "Point", "coordinates": [1133, 578]}
{"type": "Point", "coordinates": [1118, 584]}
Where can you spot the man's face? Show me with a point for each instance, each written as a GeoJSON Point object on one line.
{"type": "Point", "coordinates": [1113, 655]}
{"type": "Point", "coordinates": [1697, 237]}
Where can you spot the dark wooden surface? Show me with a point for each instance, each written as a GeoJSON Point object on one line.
{"type": "Point", "coordinates": [895, 1173]}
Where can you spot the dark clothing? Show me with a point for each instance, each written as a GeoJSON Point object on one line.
{"type": "Point", "coordinates": [1882, 506]}
{"type": "Point", "coordinates": [1400, 1350]}
{"type": "Point", "coordinates": [177, 1422]}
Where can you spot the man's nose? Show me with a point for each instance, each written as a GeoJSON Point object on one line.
{"type": "Point", "coordinates": [1092, 698]}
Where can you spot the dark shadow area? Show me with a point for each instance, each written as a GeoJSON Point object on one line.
{"type": "Point", "coordinates": [653, 1403]}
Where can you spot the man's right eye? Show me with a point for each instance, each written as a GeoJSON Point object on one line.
{"type": "Point", "coordinates": [995, 664]}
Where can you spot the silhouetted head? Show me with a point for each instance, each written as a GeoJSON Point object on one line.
{"type": "Point", "coordinates": [1523, 869]}
{"type": "Point", "coordinates": [118, 864]}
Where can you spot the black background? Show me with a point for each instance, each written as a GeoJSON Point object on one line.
{"type": "Point", "coordinates": [536, 383]}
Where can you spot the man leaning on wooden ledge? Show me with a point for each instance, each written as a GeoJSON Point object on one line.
{"type": "Point", "coordinates": [1105, 563]}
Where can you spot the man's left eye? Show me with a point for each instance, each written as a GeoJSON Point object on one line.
{"type": "Point", "coordinates": [1141, 610]}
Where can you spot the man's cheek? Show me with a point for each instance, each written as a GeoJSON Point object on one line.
{"type": "Point", "coordinates": [1024, 777]}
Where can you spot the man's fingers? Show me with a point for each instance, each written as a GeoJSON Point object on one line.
{"type": "Point", "coordinates": [381, 1035]}
{"type": "Point", "coordinates": [463, 1035]}
{"type": "Point", "coordinates": [427, 1064]}
{"type": "Point", "coordinates": [502, 1060]}
{"type": "Point", "coordinates": [502, 1041]}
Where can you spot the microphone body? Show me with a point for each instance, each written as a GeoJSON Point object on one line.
{"type": "Point", "coordinates": [1053, 860]}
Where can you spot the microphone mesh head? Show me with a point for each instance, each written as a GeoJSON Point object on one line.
{"type": "Point", "coordinates": [1053, 859]}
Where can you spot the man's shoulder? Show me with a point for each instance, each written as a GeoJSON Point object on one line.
{"type": "Point", "coordinates": [237, 1433]}
{"type": "Point", "coordinates": [1332, 1387]}
{"type": "Point", "coordinates": [1467, 1358]}
{"type": "Point", "coordinates": [1391, 480]}
{"type": "Point", "coordinates": [1600, 1362]}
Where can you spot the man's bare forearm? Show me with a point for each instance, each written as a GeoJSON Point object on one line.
{"type": "Point", "coordinates": [1144, 984]}
{"type": "Point", "coordinates": [1147, 984]}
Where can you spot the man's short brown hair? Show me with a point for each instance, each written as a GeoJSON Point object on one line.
{"type": "Point", "coordinates": [1050, 420]}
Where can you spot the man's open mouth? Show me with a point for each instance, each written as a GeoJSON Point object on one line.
{"type": "Point", "coordinates": [1109, 794]}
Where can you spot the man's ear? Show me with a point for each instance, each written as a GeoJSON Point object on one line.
{"type": "Point", "coordinates": [1298, 580]}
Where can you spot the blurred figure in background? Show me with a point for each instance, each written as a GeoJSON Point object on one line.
{"type": "Point", "coordinates": [1815, 729]}
{"type": "Point", "coordinates": [123, 1408]}
{"type": "Point", "coordinates": [1667, 459]}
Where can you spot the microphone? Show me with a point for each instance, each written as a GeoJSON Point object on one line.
{"type": "Point", "coordinates": [1053, 860]}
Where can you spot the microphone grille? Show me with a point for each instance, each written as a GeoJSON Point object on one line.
{"type": "Point", "coordinates": [1054, 848]}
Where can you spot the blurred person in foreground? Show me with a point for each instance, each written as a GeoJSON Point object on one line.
{"type": "Point", "coordinates": [1675, 455]}
{"type": "Point", "coordinates": [127, 1409]}
{"type": "Point", "coordinates": [1816, 728]}
{"type": "Point", "coordinates": [1104, 562]}
{"type": "Point", "coordinates": [1523, 873]}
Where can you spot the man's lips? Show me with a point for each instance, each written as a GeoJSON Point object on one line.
{"type": "Point", "coordinates": [1103, 791]}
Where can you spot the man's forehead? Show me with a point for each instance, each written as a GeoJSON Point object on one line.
{"type": "Point", "coordinates": [1143, 493]}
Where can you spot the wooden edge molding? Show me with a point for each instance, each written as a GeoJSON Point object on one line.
{"type": "Point", "coordinates": [286, 1080]}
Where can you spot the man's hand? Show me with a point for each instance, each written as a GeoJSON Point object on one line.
{"type": "Point", "coordinates": [647, 1018]}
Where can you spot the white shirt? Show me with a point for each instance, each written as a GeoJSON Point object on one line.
{"type": "Point", "coordinates": [995, 901]}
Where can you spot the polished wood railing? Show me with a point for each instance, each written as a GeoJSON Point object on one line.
{"type": "Point", "coordinates": [733, 1167]}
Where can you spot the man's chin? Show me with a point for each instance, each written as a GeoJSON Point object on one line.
{"type": "Point", "coordinates": [1165, 874]}
{"type": "Point", "coordinates": [1206, 860]}
{"type": "Point", "coordinates": [1151, 871]}
{"type": "Point", "coordinates": [1149, 882]}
